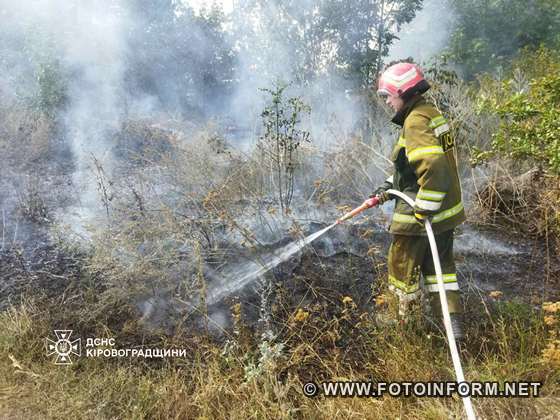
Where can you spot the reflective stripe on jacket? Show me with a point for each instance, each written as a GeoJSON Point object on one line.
{"type": "Point", "coordinates": [425, 169]}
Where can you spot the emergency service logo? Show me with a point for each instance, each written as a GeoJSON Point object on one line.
{"type": "Point", "coordinates": [63, 347]}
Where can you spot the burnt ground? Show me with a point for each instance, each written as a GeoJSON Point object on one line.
{"type": "Point", "coordinates": [37, 267]}
{"type": "Point", "coordinates": [492, 266]}
{"type": "Point", "coordinates": [349, 260]}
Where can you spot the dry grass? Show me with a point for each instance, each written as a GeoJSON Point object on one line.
{"type": "Point", "coordinates": [27, 140]}
{"type": "Point", "coordinates": [169, 215]}
{"type": "Point", "coordinates": [528, 204]}
{"type": "Point", "coordinates": [232, 380]}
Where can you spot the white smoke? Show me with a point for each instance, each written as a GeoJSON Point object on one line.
{"type": "Point", "coordinates": [266, 57]}
{"type": "Point", "coordinates": [88, 42]}
{"type": "Point", "coordinates": [91, 41]}
{"type": "Point", "coordinates": [95, 46]}
{"type": "Point", "coordinates": [426, 35]}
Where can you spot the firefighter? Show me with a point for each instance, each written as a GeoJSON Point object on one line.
{"type": "Point", "coordinates": [425, 169]}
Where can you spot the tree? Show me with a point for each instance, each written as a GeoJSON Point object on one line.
{"type": "Point", "coordinates": [361, 31]}
{"type": "Point", "coordinates": [527, 103]}
{"type": "Point", "coordinates": [182, 59]}
{"type": "Point", "coordinates": [347, 37]}
{"type": "Point", "coordinates": [490, 33]}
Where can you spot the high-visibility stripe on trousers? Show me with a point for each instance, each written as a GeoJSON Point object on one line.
{"type": "Point", "coordinates": [410, 258]}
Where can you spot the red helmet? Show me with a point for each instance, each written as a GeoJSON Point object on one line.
{"type": "Point", "coordinates": [401, 79]}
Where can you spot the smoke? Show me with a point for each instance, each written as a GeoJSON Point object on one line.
{"type": "Point", "coordinates": [94, 47]}
{"type": "Point", "coordinates": [116, 60]}
{"type": "Point", "coordinates": [270, 52]}
{"type": "Point", "coordinates": [85, 43]}
{"type": "Point", "coordinates": [426, 35]}
{"type": "Point", "coordinates": [121, 59]}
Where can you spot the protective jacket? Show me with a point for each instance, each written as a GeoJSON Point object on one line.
{"type": "Point", "coordinates": [425, 169]}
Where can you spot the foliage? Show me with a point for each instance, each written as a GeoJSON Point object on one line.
{"type": "Point", "coordinates": [489, 33]}
{"type": "Point", "coordinates": [51, 95]}
{"type": "Point", "coordinates": [457, 100]}
{"type": "Point", "coordinates": [347, 38]}
{"type": "Point", "coordinates": [191, 62]}
{"type": "Point", "coordinates": [361, 32]}
{"type": "Point", "coordinates": [212, 382]}
{"type": "Point", "coordinates": [194, 69]}
{"type": "Point", "coordinates": [281, 139]}
{"type": "Point", "coordinates": [30, 64]}
{"type": "Point", "coordinates": [172, 209]}
{"type": "Point", "coordinates": [551, 354]}
{"type": "Point", "coordinates": [528, 106]}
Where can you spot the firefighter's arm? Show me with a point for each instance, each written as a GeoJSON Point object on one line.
{"type": "Point", "coordinates": [427, 157]}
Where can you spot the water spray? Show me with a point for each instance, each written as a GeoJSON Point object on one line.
{"type": "Point", "coordinates": [236, 280]}
{"type": "Point", "coordinates": [227, 287]}
{"type": "Point", "coordinates": [441, 289]}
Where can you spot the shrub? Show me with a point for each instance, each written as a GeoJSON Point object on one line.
{"type": "Point", "coordinates": [281, 139]}
{"type": "Point", "coordinates": [527, 103]}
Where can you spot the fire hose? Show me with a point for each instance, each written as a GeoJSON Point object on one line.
{"type": "Point", "coordinates": [374, 201]}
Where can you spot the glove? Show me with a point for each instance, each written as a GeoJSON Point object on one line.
{"type": "Point", "coordinates": [381, 192]}
{"type": "Point", "coordinates": [420, 217]}
{"type": "Point", "coordinates": [382, 196]}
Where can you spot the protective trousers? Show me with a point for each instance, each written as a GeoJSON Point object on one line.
{"type": "Point", "coordinates": [409, 258]}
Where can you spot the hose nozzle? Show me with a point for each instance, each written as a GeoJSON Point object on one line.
{"type": "Point", "coordinates": [369, 203]}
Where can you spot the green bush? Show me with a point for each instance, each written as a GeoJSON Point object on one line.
{"type": "Point", "coordinates": [527, 103]}
{"type": "Point", "coordinates": [488, 34]}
